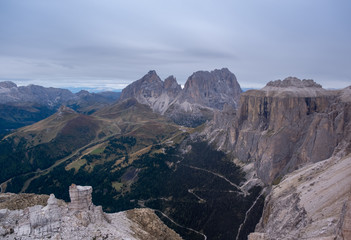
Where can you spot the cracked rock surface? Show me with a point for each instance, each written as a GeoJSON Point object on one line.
{"type": "Point", "coordinates": [79, 219]}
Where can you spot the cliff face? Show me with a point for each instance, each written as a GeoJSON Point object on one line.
{"type": "Point", "coordinates": [286, 125]}
{"type": "Point", "coordinates": [298, 131]}
{"type": "Point", "coordinates": [79, 219]}
{"type": "Point", "coordinates": [281, 128]}
{"type": "Point", "coordinates": [212, 89]}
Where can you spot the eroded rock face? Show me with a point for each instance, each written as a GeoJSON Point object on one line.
{"type": "Point", "coordinates": [310, 203]}
{"type": "Point", "coordinates": [79, 219]}
{"type": "Point", "coordinates": [212, 89]}
{"type": "Point", "coordinates": [285, 125]}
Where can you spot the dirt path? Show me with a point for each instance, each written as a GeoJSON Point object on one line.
{"type": "Point", "coordinates": [242, 191]}
{"type": "Point", "coordinates": [246, 214]}
{"type": "Point", "coordinates": [201, 200]}
{"type": "Point", "coordinates": [190, 229]}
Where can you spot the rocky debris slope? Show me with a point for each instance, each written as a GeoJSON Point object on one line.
{"type": "Point", "coordinates": [203, 93]}
{"type": "Point", "coordinates": [79, 219]}
{"type": "Point", "coordinates": [310, 203]}
{"type": "Point", "coordinates": [285, 125]}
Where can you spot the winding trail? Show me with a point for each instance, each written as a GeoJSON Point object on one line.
{"type": "Point", "coordinates": [246, 214]}
{"type": "Point", "coordinates": [190, 229]}
{"type": "Point", "coordinates": [242, 191]}
{"type": "Point", "coordinates": [201, 200]}
{"type": "Point", "coordinates": [142, 204]}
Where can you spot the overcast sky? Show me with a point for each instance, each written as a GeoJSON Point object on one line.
{"type": "Point", "coordinates": [111, 43]}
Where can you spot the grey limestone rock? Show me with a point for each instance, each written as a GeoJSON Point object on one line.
{"type": "Point", "coordinates": [310, 203]}
{"type": "Point", "coordinates": [280, 129]}
{"type": "Point", "coordinates": [79, 219]}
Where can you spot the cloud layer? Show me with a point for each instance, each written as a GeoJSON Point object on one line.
{"type": "Point", "coordinates": [110, 43]}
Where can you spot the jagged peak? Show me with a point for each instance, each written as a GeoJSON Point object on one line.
{"type": "Point", "coordinates": [8, 84]}
{"type": "Point", "coordinates": [171, 82]}
{"type": "Point", "coordinates": [294, 82]}
{"type": "Point", "coordinates": [216, 72]}
{"type": "Point", "coordinates": [150, 77]}
{"type": "Point", "coordinates": [152, 72]}
{"type": "Point", "coordinates": [223, 70]}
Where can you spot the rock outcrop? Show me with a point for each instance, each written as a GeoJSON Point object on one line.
{"type": "Point", "coordinates": [310, 203]}
{"type": "Point", "coordinates": [79, 219]}
{"type": "Point", "coordinates": [203, 93]}
{"type": "Point", "coordinates": [80, 197]}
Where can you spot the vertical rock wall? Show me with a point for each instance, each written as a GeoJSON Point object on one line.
{"type": "Point", "coordinates": [281, 129]}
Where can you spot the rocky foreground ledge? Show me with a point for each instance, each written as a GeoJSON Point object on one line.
{"type": "Point", "coordinates": [24, 216]}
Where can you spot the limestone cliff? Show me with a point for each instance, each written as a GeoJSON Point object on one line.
{"type": "Point", "coordinates": [79, 219]}
{"type": "Point", "coordinates": [285, 125]}
{"type": "Point", "coordinates": [297, 129]}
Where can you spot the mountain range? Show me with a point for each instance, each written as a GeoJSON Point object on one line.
{"type": "Point", "coordinates": [203, 93]}
{"type": "Point", "coordinates": [25, 105]}
{"type": "Point", "coordinates": [215, 160]}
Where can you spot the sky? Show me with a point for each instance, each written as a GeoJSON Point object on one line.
{"type": "Point", "coordinates": [107, 44]}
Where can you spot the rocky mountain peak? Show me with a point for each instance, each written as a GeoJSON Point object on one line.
{"type": "Point", "coordinates": [171, 82]}
{"type": "Point", "coordinates": [213, 89]}
{"type": "Point", "coordinates": [82, 93]}
{"type": "Point", "coordinates": [8, 84]}
{"type": "Point", "coordinates": [294, 82]}
{"type": "Point", "coordinates": [151, 76]}
{"type": "Point", "coordinates": [148, 86]}
{"type": "Point", "coordinates": [203, 93]}
{"type": "Point", "coordinates": [171, 86]}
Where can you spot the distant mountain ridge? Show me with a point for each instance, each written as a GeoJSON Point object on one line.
{"type": "Point", "coordinates": [10, 92]}
{"type": "Point", "coordinates": [203, 93]}
{"type": "Point", "coordinates": [24, 105]}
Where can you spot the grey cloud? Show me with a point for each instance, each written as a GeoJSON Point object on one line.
{"type": "Point", "coordinates": [110, 42]}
